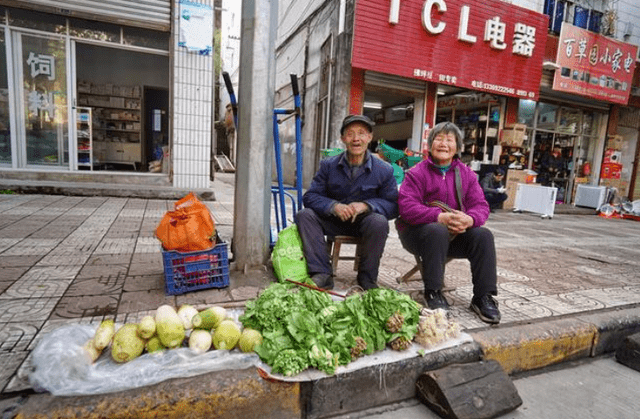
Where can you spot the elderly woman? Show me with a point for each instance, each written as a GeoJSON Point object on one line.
{"type": "Point", "coordinates": [442, 210]}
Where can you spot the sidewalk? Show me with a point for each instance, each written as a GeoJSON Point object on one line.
{"type": "Point", "coordinates": [568, 287]}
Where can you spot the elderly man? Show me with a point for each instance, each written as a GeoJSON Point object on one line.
{"type": "Point", "coordinates": [353, 194]}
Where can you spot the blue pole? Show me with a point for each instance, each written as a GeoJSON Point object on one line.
{"type": "Point", "coordinates": [297, 103]}
{"type": "Point", "coordinates": [276, 144]}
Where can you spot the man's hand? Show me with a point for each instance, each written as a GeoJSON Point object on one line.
{"type": "Point", "coordinates": [457, 222]}
{"type": "Point", "coordinates": [349, 212]}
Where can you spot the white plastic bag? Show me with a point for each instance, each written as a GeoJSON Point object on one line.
{"type": "Point", "coordinates": [61, 368]}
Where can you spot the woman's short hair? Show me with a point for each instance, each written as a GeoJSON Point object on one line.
{"type": "Point", "coordinates": [446, 128]}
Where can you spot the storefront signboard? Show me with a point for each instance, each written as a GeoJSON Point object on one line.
{"type": "Point", "coordinates": [594, 65]}
{"type": "Point", "coordinates": [483, 45]}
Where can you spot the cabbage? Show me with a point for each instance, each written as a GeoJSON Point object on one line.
{"type": "Point", "coordinates": [200, 341]}
{"type": "Point", "coordinates": [169, 326]}
{"type": "Point", "coordinates": [226, 335]}
{"type": "Point", "coordinates": [127, 345]}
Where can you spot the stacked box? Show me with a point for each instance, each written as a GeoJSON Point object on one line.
{"type": "Point", "coordinates": [513, 135]}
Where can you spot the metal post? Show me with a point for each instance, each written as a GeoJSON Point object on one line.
{"type": "Point", "coordinates": [256, 87]}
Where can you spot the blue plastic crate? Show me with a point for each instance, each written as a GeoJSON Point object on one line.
{"type": "Point", "coordinates": [191, 271]}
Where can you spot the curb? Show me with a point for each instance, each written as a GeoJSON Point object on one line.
{"type": "Point", "coordinates": [527, 347]}
{"type": "Point", "coordinates": [243, 393]}
{"type": "Point", "coordinates": [103, 190]}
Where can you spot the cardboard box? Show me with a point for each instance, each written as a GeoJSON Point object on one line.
{"type": "Point", "coordinates": [514, 177]}
{"type": "Point", "coordinates": [513, 135]}
{"type": "Point", "coordinates": [615, 142]}
{"type": "Point", "coordinates": [521, 176]}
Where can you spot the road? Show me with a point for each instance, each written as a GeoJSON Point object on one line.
{"type": "Point", "coordinates": [589, 389]}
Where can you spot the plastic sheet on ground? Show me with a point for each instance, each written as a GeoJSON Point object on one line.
{"type": "Point", "coordinates": [379, 358]}
{"type": "Point", "coordinates": [61, 368]}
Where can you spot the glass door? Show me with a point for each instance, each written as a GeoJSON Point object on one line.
{"type": "Point", "coordinates": [40, 63]}
{"type": "Point", "coordinates": [5, 116]}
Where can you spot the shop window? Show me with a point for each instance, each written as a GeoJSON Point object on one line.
{"type": "Point", "coordinates": [555, 9]}
{"type": "Point", "coordinates": [145, 38]}
{"type": "Point", "coordinates": [547, 116]}
{"type": "Point", "coordinates": [98, 31]}
{"type": "Point", "coordinates": [526, 111]}
{"type": "Point", "coordinates": [595, 21]}
{"type": "Point", "coordinates": [3, 12]}
{"type": "Point", "coordinates": [37, 20]}
{"type": "Point", "coordinates": [581, 17]}
{"type": "Point", "coordinates": [587, 19]}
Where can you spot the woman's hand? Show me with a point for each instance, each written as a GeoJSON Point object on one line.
{"type": "Point", "coordinates": [457, 222]}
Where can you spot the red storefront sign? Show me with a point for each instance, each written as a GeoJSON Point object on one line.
{"type": "Point", "coordinates": [485, 45]}
{"type": "Point", "coordinates": [593, 65]}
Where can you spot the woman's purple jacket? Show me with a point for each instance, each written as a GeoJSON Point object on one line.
{"type": "Point", "coordinates": [425, 183]}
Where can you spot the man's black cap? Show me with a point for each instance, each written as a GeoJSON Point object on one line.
{"type": "Point", "coordinates": [350, 119]}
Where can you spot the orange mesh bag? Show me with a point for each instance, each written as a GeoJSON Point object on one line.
{"type": "Point", "coordinates": [189, 227]}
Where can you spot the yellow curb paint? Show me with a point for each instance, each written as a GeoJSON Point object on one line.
{"type": "Point", "coordinates": [246, 398]}
{"type": "Point", "coordinates": [522, 351]}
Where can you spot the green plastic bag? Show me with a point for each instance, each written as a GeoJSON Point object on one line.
{"type": "Point", "coordinates": [287, 257]}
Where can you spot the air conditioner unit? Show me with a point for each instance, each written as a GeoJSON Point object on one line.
{"type": "Point", "coordinates": [590, 196]}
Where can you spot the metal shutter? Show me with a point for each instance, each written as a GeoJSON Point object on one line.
{"type": "Point", "coordinates": [388, 81]}
{"type": "Point", "coordinates": [151, 14]}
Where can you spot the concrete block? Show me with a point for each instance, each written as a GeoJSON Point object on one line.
{"type": "Point", "coordinates": [629, 353]}
{"type": "Point", "coordinates": [613, 327]}
{"type": "Point", "coordinates": [377, 385]}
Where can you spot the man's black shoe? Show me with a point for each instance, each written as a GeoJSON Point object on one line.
{"type": "Point", "coordinates": [324, 281]}
{"type": "Point", "coordinates": [435, 300]}
{"type": "Point", "coordinates": [486, 307]}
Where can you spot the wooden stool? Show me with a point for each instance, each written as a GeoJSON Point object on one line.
{"type": "Point", "coordinates": [335, 243]}
{"type": "Point", "coordinates": [418, 268]}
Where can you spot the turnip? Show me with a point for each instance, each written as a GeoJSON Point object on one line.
{"type": "Point", "coordinates": [200, 341]}
{"type": "Point", "coordinates": [169, 327]}
{"type": "Point", "coordinates": [186, 313]}
{"type": "Point", "coordinates": [147, 327]}
{"type": "Point", "coordinates": [226, 335]}
{"type": "Point", "coordinates": [127, 345]}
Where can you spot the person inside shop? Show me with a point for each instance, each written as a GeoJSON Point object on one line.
{"type": "Point", "coordinates": [553, 167]}
{"type": "Point", "coordinates": [352, 194]}
{"type": "Point", "coordinates": [442, 212]}
{"type": "Point", "coordinates": [493, 189]}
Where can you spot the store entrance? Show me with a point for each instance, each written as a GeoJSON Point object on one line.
{"type": "Point", "coordinates": [156, 112]}
{"type": "Point", "coordinates": [113, 82]}
{"type": "Point", "coordinates": [477, 115]}
{"type": "Point", "coordinates": [553, 160]}
{"type": "Point", "coordinates": [393, 116]}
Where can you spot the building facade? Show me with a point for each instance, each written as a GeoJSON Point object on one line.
{"type": "Point", "coordinates": [93, 87]}
{"type": "Point", "coordinates": [494, 68]}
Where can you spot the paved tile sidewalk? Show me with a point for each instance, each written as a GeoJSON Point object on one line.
{"type": "Point", "coordinates": [82, 259]}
